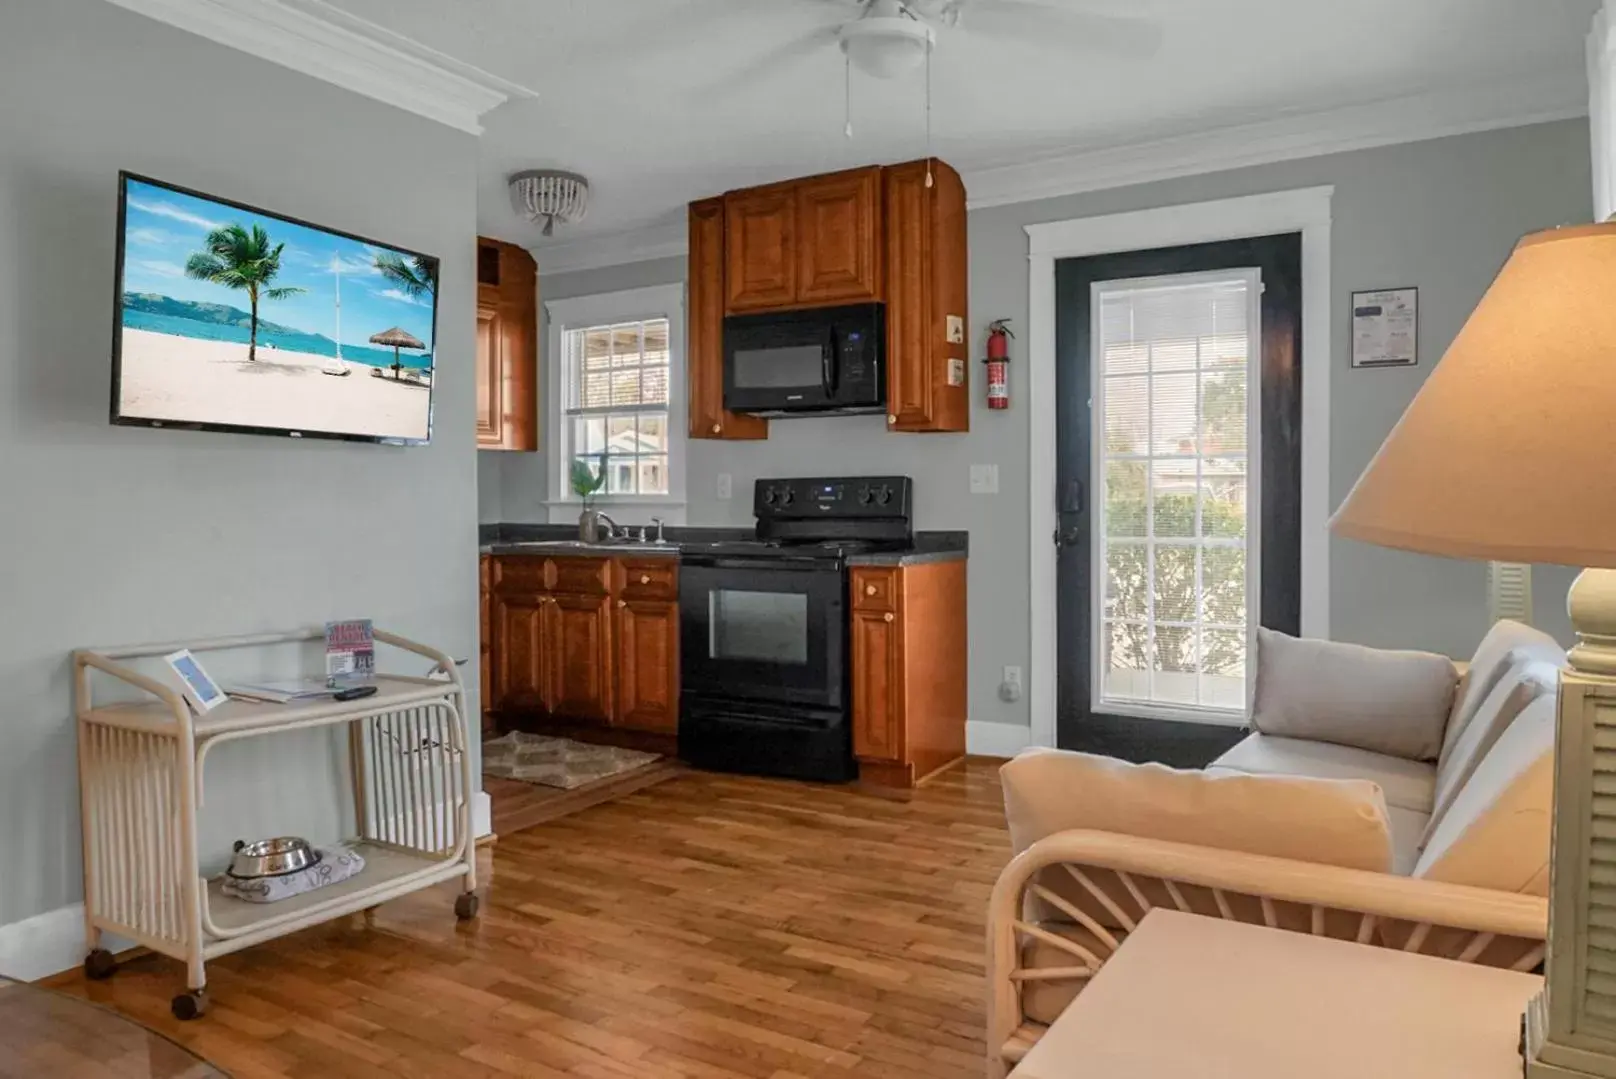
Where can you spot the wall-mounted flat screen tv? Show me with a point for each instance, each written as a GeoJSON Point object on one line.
{"type": "Point", "coordinates": [233, 318]}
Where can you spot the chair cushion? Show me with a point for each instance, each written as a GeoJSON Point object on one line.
{"type": "Point", "coordinates": [1407, 784]}
{"type": "Point", "coordinates": [1521, 684]}
{"type": "Point", "coordinates": [1496, 833]}
{"type": "Point", "coordinates": [1329, 821]}
{"type": "Point", "coordinates": [1505, 645]}
{"type": "Point", "coordinates": [1395, 703]}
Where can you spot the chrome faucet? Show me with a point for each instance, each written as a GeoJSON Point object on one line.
{"type": "Point", "coordinates": [659, 537]}
{"type": "Point", "coordinates": [612, 527]}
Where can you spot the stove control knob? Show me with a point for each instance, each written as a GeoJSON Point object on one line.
{"type": "Point", "coordinates": [787, 497]}
{"type": "Point", "coordinates": [884, 495]}
{"type": "Point", "coordinates": [769, 497]}
{"type": "Point", "coordinates": [866, 496]}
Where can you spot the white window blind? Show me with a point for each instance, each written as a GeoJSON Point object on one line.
{"type": "Point", "coordinates": [1175, 369]}
{"type": "Point", "coordinates": [617, 403]}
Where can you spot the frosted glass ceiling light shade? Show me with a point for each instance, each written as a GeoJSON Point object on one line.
{"type": "Point", "coordinates": [887, 47]}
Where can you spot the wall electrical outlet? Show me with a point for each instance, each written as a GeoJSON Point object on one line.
{"type": "Point", "coordinates": [984, 479]}
{"type": "Point", "coordinates": [1010, 687]}
{"type": "Point", "coordinates": [726, 486]}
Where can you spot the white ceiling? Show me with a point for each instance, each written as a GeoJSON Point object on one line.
{"type": "Point", "coordinates": [662, 101]}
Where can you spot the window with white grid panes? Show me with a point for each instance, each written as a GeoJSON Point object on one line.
{"type": "Point", "coordinates": [1176, 363]}
{"type": "Point", "coordinates": [616, 413]}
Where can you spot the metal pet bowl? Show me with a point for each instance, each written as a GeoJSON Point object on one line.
{"type": "Point", "coordinates": [272, 858]}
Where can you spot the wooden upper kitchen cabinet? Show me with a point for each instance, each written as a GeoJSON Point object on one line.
{"type": "Point", "coordinates": [928, 381]}
{"type": "Point", "coordinates": [507, 347]}
{"type": "Point", "coordinates": [704, 360]}
{"type": "Point", "coordinates": [908, 656]}
{"type": "Point", "coordinates": [839, 240]}
{"type": "Point", "coordinates": [760, 248]}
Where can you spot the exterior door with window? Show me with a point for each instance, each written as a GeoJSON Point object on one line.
{"type": "Point", "coordinates": [1179, 441]}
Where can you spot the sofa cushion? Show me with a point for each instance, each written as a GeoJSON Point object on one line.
{"type": "Point", "coordinates": [1521, 684]}
{"type": "Point", "coordinates": [1395, 703]}
{"type": "Point", "coordinates": [1505, 645]}
{"type": "Point", "coordinates": [1496, 833]}
{"type": "Point", "coordinates": [1407, 784]}
{"type": "Point", "coordinates": [1329, 821]}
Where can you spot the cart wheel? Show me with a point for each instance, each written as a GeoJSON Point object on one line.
{"type": "Point", "coordinates": [99, 965]}
{"type": "Point", "coordinates": [466, 906]}
{"type": "Point", "coordinates": [192, 1005]}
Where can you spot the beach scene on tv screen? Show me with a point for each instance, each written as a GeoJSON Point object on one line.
{"type": "Point", "coordinates": [240, 318]}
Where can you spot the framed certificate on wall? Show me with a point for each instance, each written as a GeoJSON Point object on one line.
{"type": "Point", "coordinates": [1386, 328]}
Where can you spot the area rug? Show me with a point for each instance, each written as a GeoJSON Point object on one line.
{"type": "Point", "coordinates": [557, 762]}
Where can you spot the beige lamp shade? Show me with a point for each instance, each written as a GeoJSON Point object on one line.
{"type": "Point", "coordinates": [1508, 452]}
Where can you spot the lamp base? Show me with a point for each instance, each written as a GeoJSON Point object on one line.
{"type": "Point", "coordinates": [1592, 606]}
{"type": "Point", "coordinates": [1546, 1060]}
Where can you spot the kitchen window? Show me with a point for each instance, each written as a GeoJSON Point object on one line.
{"type": "Point", "coordinates": [614, 389]}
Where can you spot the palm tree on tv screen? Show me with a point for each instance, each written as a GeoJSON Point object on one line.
{"type": "Point", "coordinates": [238, 259]}
{"type": "Point", "coordinates": [415, 276]}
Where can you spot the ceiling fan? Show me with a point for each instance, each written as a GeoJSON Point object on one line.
{"type": "Point", "coordinates": [891, 38]}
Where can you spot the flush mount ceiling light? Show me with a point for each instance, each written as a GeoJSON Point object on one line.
{"type": "Point", "coordinates": [550, 195]}
{"type": "Point", "coordinates": [887, 43]}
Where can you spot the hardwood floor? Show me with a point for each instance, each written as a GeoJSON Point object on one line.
{"type": "Point", "coordinates": [517, 805]}
{"type": "Point", "coordinates": [709, 927]}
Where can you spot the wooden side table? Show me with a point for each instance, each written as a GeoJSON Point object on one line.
{"type": "Point", "coordinates": [1193, 996]}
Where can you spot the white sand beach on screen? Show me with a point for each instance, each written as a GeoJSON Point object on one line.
{"type": "Point", "coordinates": [189, 380]}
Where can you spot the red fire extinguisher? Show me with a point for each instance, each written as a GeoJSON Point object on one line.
{"type": "Point", "coordinates": [998, 363]}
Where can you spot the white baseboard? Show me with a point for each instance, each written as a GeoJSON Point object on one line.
{"type": "Point", "coordinates": [48, 944]}
{"type": "Point", "coordinates": [996, 739]}
{"type": "Point", "coordinates": [52, 942]}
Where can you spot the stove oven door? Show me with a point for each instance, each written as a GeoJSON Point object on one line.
{"type": "Point", "coordinates": [763, 629]}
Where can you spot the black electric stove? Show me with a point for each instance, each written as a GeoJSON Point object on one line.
{"type": "Point", "coordinates": [763, 627]}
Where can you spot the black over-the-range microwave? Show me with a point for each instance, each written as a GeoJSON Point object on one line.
{"type": "Point", "coordinates": [828, 359]}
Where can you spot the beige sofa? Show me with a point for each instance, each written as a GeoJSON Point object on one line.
{"type": "Point", "coordinates": [1445, 856]}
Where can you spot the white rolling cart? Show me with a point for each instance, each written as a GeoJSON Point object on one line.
{"type": "Point", "coordinates": [141, 769]}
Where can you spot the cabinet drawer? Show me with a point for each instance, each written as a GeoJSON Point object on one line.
{"type": "Point", "coordinates": [520, 573]}
{"type": "Point", "coordinates": [875, 589]}
{"type": "Point", "coordinates": [649, 578]}
{"type": "Point", "coordinates": [582, 576]}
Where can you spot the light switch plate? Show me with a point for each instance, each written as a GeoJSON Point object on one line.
{"type": "Point", "coordinates": [726, 486]}
{"type": "Point", "coordinates": [956, 330]}
{"type": "Point", "coordinates": [984, 479]}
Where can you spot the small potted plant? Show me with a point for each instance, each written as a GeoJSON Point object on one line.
{"type": "Point", "coordinates": [586, 482]}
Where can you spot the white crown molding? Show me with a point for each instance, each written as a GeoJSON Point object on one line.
{"type": "Point", "coordinates": [1560, 96]}
{"type": "Point", "coordinates": [316, 39]}
{"type": "Point", "coordinates": [1507, 103]}
{"type": "Point", "coordinates": [615, 249]}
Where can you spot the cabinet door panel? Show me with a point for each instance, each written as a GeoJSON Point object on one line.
{"type": "Point", "coordinates": [878, 711]}
{"type": "Point", "coordinates": [839, 238]}
{"type": "Point", "coordinates": [704, 363]}
{"type": "Point", "coordinates": [490, 377]}
{"type": "Point", "coordinates": [760, 235]}
{"type": "Point", "coordinates": [581, 657]}
{"type": "Point", "coordinates": [909, 286]}
{"type": "Point", "coordinates": [648, 665]}
{"type": "Point", "coordinates": [520, 658]}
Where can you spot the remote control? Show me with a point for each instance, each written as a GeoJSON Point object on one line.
{"type": "Point", "coordinates": [355, 693]}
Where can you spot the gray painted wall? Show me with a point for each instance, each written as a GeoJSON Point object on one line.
{"type": "Point", "coordinates": [115, 535]}
{"type": "Point", "coordinates": [1442, 215]}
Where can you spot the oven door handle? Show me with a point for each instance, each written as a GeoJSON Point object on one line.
{"type": "Point", "coordinates": [785, 563]}
{"type": "Point", "coordinates": [827, 365]}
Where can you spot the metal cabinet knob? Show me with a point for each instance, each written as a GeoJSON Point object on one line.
{"type": "Point", "coordinates": [869, 590]}
{"type": "Point", "coordinates": [892, 419]}
{"type": "Point", "coordinates": [718, 428]}
{"type": "Point", "coordinates": [622, 603]}
{"type": "Point", "coordinates": [889, 616]}
{"type": "Point", "coordinates": [646, 579]}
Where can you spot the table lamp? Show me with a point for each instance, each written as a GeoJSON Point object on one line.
{"type": "Point", "coordinates": [1508, 453]}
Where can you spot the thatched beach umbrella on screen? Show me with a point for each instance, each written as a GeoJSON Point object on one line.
{"type": "Point", "coordinates": [396, 339]}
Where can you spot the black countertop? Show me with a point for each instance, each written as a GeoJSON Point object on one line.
{"type": "Point", "coordinates": [536, 539]}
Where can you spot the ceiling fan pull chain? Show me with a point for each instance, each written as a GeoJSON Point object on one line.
{"type": "Point", "coordinates": [847, 93]}
{"type": "Point", "coordinates": [928, 114]}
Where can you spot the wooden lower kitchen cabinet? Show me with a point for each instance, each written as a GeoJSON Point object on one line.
{"type": "Point", "coordinates": [585, 642]}
{"type": "Point", "coordinates": [908, 655]}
